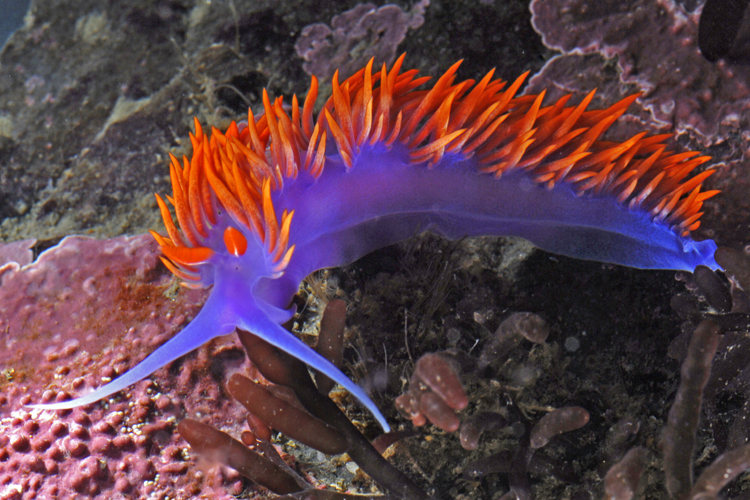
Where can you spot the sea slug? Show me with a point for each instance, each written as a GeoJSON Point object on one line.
{"type": "Point", "coordinates": [271, 200]}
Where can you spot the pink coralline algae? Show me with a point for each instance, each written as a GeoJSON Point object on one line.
{"type": "Point", "coordinates": [355, 36]}
{"type": "Point", "coordinates": [83, 313]}
{"type": "Point", "coordinates": [652, 46]}
{"type": "Point", "coordinates": [656, 48]}
{"type": "Point", "coordinates": [16, 254]}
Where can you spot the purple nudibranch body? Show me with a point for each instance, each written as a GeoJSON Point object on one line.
{"type": "Point", "coordinates": [272, 200]}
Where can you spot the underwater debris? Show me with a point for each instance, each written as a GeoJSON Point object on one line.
{"type": "Point", "coordinates": [623, 479]}
{"type": "Point", "coordinates": [682, 424]}
{"type": "Point", "coordinates": [512, 330]}
{"type": "Point", "coordinates": [436, 393]}
{"type": "Point", "coordinates": [704, 375]}
{"type": "Point", "coordinates": [558, 421]}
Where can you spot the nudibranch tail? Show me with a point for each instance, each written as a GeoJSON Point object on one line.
{"type": "Point", "coordinates": [272, 199]}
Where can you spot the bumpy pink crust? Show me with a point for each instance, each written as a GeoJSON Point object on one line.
{"type": "Point", "coordinates": [655, 46]}
{"type": "Point", "coordinates": [90, 309]}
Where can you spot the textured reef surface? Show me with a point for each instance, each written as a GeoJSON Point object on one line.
{"type": "Point", "coordinates": [83, 313]}
{"type": "Point", "coordinates": [93, 97]}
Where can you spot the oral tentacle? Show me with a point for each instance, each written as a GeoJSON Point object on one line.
{"type": "Point", "coordinates": [212, 321]}
{"type": "Point", "coordinates": [255, 321]}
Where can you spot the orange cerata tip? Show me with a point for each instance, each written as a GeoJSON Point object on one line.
{"type": "Point", "coordinates": [235, 241]}
{"type": "Point", "coordinates": [187, 256]}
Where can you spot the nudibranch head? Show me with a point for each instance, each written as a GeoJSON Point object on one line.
{"type": "Point", "coordinates": [224, 209]}
{"type": "Point", "coordinates": [384, 160]}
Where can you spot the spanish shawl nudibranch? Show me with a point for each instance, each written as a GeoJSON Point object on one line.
{"type": "Point", "coordinates": [265, 204]}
